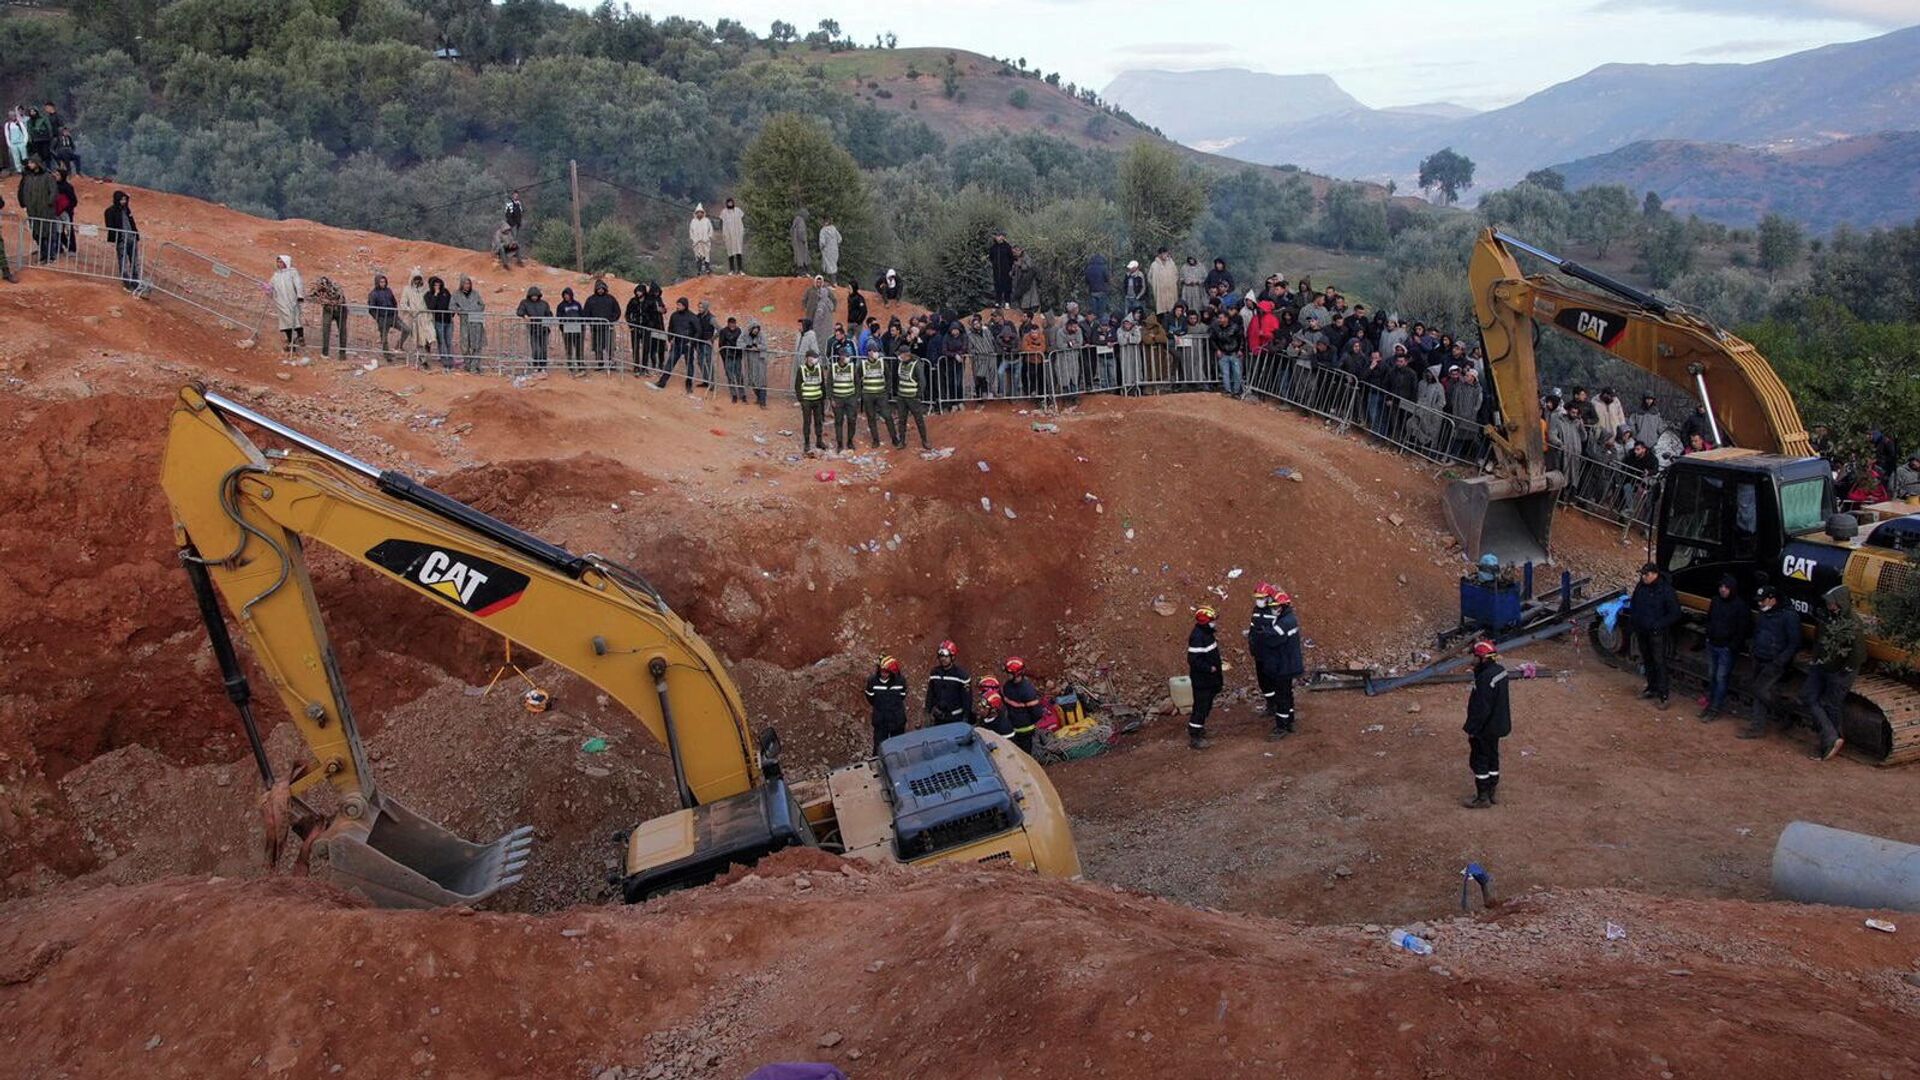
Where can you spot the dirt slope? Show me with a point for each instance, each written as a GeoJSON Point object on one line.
{"type": "Point", "coordinates": [952, 973]}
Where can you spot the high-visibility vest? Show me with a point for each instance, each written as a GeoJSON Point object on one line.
{"type": "Point", "coordinates": [844, 385]}
{"type": "Point", "coordinates": [908, 381]}
{"type": "Point", "coordinates": [813, 385]}
{"type": "Point", "coordinates": [873, 376]}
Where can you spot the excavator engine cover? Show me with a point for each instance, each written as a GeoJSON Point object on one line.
{"type": "Point", "coordinates": [1503, 516]}
{"type": "Point", "coordinates": [945, 790]}
{"type": "Point", "coordinates": [692, 847]}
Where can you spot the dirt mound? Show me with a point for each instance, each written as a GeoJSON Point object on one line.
{"type": "Point", "coordinates": [954, 972]}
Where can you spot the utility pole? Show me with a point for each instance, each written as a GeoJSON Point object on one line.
{"type": "Point", "coordinates": [579, 244]}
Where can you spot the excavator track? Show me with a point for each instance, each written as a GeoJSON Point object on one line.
{"type": "Point", "coordinates": [1882, 720]}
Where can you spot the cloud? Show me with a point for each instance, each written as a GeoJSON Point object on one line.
{"type": "Point", "coordinates": [1890, 14]}
{"type": "Point", "coordinates": [1750, 47]}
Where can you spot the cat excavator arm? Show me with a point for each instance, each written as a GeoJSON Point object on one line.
{"type": "Point", "coordinates": [1511, 510]}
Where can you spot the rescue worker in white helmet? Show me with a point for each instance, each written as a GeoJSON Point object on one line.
{"type": "Point", "coordinates": [949, 688]}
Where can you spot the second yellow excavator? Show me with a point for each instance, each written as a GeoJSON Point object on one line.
{"type": "Point", "coordinates": [1760, 508]}
{"type": "Point", "coordinates": [242, 517]}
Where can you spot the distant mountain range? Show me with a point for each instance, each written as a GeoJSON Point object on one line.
{"type": "Point", "coordinates": [1807, 98]}
{"type": "Point", "coordinates": [1865, 180]}
{"type": "Point", "coordinates": [1208, 110]}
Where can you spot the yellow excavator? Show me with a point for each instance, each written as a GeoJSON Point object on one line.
{"type": "Point", "coordinates": [241, 519]}
{"type": "Point", "coordinates": [1761, 507]}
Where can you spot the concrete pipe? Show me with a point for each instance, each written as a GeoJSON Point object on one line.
{"type": "Point", "coordinates": [1814, 864]}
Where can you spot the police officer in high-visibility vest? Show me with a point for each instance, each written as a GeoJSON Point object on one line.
{"type": "Point", "coordinates": [873, 395]}
{"type": "Point", "coordinates": [810, 387]}
{"type": "Point", "coordinates": [910, 383]}
{"type": "Point", "coordinates": [843, 386]}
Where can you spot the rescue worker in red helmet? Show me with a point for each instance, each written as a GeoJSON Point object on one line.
{"type": "Point", "coordinates": [949, 688]}
{"type": "Point", "coordinates": [1203, 669]}
{"type": "Point", "coordinates": [1289, 662]}
{"type": "Point", "coordinates": [1263, 642]}
{"type": "Point", "coordinates": [887, 695]}
{"type": "Point", "coordinates": [1489, 719]}
{"type": "Point", "coordinates": [991, 716]}
{"type": "Point", "coordinates": [1022, 700]}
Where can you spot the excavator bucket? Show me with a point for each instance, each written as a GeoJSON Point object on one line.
{"type": "Point", "coordinates": [1505, 516]}
{"type": "Point", "coordinates": [408, 861]}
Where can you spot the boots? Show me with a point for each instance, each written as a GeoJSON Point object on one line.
{"type": "Point", "coordinates": [1198, 742]}
{"type": "Point", "coordinates": [1481, 795]}
{"type": "Point", "coordinates": [1493, 791]}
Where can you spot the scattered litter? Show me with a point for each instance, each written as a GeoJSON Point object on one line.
{"type": "Point", "coordinates": [1396, 520]}
{"type": "Point", "coordinates": [1283, 473]}
{"type": "Point", "coordinates": [825, 476]}
{"type": "Point", "coordinates": [1008, 510]}
{"type": "Point", "coordinates": [1403, 938]}
{"type": "Point", "coordinates": [595, 745]}
{"type": "Point", "coordinates": [986, 504]}
{"type": "Point", "coordinates": [1744, 831]}
{"type": "Point", "coordinates": [615, 507]}
{"type": "Point", "coordinates": [761, 439]}
{"type": "Point", "coordinates": [716, 431]}
{"type": "Point", "coordinates": [1129, 534]}
{"type": "Point", "coordinates": [1616, 932]}
{"type": "Point", "coordinates": [982, 466]}
{"type": "Point", "coordinates": [1881, 925]}
{"type": "Point", "coordinates": [937, 455]}
{"type": "Point", "coordinates": [1371, 729]}
{"type": "Point", "coordinates": [1045, 428]}
{"type": "Point", "coordinates": [1234, 573]}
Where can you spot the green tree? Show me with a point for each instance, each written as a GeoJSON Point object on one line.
{"type": "Point", "coordinates": [1452, 173]}
{"type": "Point", "coordinates": [1159, 197]}
{"type": "Point", "coordinates": [552, 243]}
{"type": "Point", "coordinates": [1665, 252]}
{"type": "Point", "coordinates": [1352, 220]}
{"type": "Point", "coordinates": [1652, 207]}
{"type": "Point", "coordinates": [610, 249]}
{"type": "Point", "coordinates": [1780, 244]}
{"type": "Point", "coordinates": [1551, 179]}
{"type": "Point", "coordinates": [1602, 216]}
{"type": "Point", "coordinates": [1539, 215]}
{"type": "Point", "coordinates": [1019, 99]}
{"type": "Point", "coordinates": [794, 163]}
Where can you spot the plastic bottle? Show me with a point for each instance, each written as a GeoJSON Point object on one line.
{"type": "Point", "coordinates": [1406, 939]}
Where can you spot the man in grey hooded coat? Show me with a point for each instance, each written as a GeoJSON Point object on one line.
{"type": "Point", "coordinates": [802, 261]}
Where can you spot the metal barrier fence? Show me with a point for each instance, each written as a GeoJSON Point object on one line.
{"type": "Point", "coordinates": [62, 246]}
{"type": "Point", "coordinates": [1605, 489]}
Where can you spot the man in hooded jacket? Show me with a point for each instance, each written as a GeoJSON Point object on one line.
{"type": "Point", "coordinates": [603, 311]}
{"type": "Point", "coordinates": [733, 229]}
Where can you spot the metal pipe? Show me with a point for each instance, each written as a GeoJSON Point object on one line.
{"type": "Point", "coordinates": [1713, 424]}
{"type": "Point", "coordinates": [657, 667]}
{"type": "Point", "coordinates": [1814, 864]}
{"type": "Point", "coordinates": [229, 407]}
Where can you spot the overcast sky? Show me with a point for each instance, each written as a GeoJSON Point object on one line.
{"type": "Point", "coordinates": [1482, 53]}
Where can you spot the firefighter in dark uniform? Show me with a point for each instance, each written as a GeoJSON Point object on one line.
{"type": "Point", "coordinates": [992, 714]}
{"type": "Point", "coordinates": [1289, 662]}
{"type": "Point", "coordinates": [810, 387]}
{"type": "Point", "coordinates": [843, 386]}
{"type": "Point", "coordinates": [949, 689]}
{"type": "Point", "coordinates": [1838, 653]}
{"type": "Point", "coordinates": [887, 694]}
{"type": "Point", "coordinates": [1489, 719]}
{"type": "Point", "coordinates": [1203, 668]}
{"type": "Point", "coordinates": [1022, 700]}
{"type": "Point", "coordinates": [910, 383]}
{"type": "Point", "coordinates": [873, 396]}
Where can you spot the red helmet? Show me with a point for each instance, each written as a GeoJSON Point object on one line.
{"type": "Point", "coordinates": [989, 683]}
{"type": "Point", "coordinates": [1264, 590]}
{"type": "Point", "coordinates": [1204, 615]}
{"type": "Point", "coordinates": [888, 663]}
{"type": "Point", "coordinates": [1484, 649]}
{"type": "Point", "coordinates": [1282, 598]}
{"type": "Point", "coordinates": [948, 648]}
{"type": "Point", "coordinates": [1015, 665]}
{"type": "Point", "coordinates": [993, 701]}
